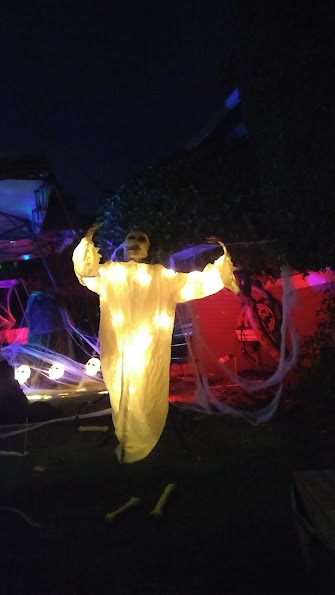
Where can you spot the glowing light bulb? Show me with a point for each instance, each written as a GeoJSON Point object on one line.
{"type": "Point", "coordinates": [22, 374]}
{"type": "Point", "coordinates": [56, 371]}
{"type": "Point", "coordinates": [213, 281]}
{"type": "Point", "coordinates": [169, 272]}
{"type": "Point", "coordinates": [143, 338]}
{"type": "Point", "coordinates": [187, 293]}
{"type": "Point", "coordinates": [163, 320]}
{"type": "Point", "coordinates": [117, 318]}
{"type": "Point", "coordinates": [135, 348]}
{"type": "Point", "coordinates": [117, 273]}
{"type": "Point", "coordinates": [142, 277]}
{"type": "Point", "coordinates": [189, 290]}
{"type": "Point", "coordinates": [92, 366]}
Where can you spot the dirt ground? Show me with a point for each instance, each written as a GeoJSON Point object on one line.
{"type": "Point", "coordinates": [228, 527]}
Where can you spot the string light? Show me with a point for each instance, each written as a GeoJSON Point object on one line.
{"type": "Point", "coordinates": [22, 373]}
{"type": "Point", "coordinates": [56, 371]}
{"type": "Point", "coordinates": [92, 366]}
{"type": "Point", "coordinates": [163, 320]}
{"type": "Point", "coordinates": [142, 277]}
{"type": "Point", "coordinates": [169, 272]}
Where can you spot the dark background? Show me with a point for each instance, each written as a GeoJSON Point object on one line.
{"type": "Point", "coordinates": [104, 88]}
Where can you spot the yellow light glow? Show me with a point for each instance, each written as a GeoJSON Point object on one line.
{"type": "Point", "coordinates": [142, 338]}
{"type": "Point", "coordinates": [163, 320]}
{"type": "Point", "coordinates": [187, 293]}
{"type": "Point", "coordinates": [39, 397]}
{"type": "Point", "coordinates": [132, 389]}
{"type": "Point", "coordinates": [200, 284]}
{"type": "Point", "coordinates": [117, 376]}
{"type": "Point", "coordinates": [135, 347]}
{"type": "Point", "coordinates": [169, 272]}
{"type": "Point", "coordinates": [22, 374]}
{"type": "Point", "coordinates": [117, 273]}
{"type": "Point", "coordinates": [56, 371]}
{"type": "Point", "coordinates": [117, 318]}
{"type": "Point", "coordinates": [142, 277]}
{"type": "Point", "coordinates": [212, 282]}
{"type": "Point", "coordinates": [92, 366]}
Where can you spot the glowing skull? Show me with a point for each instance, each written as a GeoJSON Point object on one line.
{"type": "Point", "coordinates": [22, 374]}
{"type": "Point", "coordinates": [93, 366]}
{"type": "Point", "coordinates": [136, 245]}
{"type": "Point", "coordinates": [56, 371]}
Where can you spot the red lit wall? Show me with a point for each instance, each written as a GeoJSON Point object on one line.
{"type": "Point", "coordinates": [217, 320]}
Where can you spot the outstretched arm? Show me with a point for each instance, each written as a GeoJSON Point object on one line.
{"type": "Point", "coordinates": [200, 284]}
{"type": "Point", "coordinates": [86, 259]}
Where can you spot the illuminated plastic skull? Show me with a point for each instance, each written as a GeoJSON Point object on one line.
{"type": "Point", "coordinates": [56, 371]}
{"type": "Point", "coordinates": [137, 245]}
{"type": "Point", "coordinates": [22, 374]}
{"type": "Point", "coordinates": [93, 366]}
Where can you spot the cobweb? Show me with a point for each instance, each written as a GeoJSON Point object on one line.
{"type": "Point", "coordinates": [207, 401]}
{"type": "Point", "coordinates": [54, 338]}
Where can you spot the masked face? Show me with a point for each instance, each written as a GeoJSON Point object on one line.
{"type": "Point", "coordinates": [137, 245]}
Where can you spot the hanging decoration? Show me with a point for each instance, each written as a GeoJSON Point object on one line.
{"type": "Point", "coordinates": [22, 374]}
{"type": "Point", "coordinates": [137, 309]}
{"type": "Point", "coordinates": [56, 371]}
{"type": "Point", "coordinates": [93, 366]}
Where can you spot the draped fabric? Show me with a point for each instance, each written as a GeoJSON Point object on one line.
{"type": "Point", "coordinates": [137, 308]}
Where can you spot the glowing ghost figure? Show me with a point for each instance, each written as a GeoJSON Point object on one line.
{"type": "Point", "coordinates": [22, 374]}
{"type": "Point", "coordinates": [56, 371]}
{"type": "Point", "coordinates": [92, 366]}
{"type": "Point", "coordinates": [137, 309]}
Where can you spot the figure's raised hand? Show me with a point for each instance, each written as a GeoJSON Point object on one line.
{"type": "Point", "coordinates": [214, 240]}
{"type": "Point", "coordinates": [91, 231]}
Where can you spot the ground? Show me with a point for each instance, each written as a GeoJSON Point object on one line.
{"type": "Point", "coordinates": [228, 528]}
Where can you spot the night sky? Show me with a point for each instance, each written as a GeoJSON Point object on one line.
{"type": "Point", "coordinates": [104, 88]}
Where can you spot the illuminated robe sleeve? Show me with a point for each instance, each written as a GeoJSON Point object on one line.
{"type": "Point", "coordinates": [137, 309]}
{"type": "Point", "coordinates": [86, 259]}
{"type": "Point", "coordinates": [200, 284]}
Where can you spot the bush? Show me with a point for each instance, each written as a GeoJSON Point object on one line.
{"type": "Point", "coordinates": [317, 358]}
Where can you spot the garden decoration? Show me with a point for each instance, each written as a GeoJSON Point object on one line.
{"type": "Point", "coordinates": [93, 428]}
{"type": "Point", "coordinates": [16, 512]}
{"type": "Point", "coordinates": [157, 512]}
{"type": "Point", "coordinates": [110, 517]}
{"type": "Point", "coordinates": [137, 309]}
{"type": "Point", "coordinates": [92, 366]}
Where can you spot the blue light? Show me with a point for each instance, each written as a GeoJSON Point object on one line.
{"type": "Point", "coordinates": [233, 99]}
{"type": "Point", "coordinates": [26, 257]}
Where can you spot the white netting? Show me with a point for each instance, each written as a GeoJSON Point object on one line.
{"type": "Point", "coordinates": [206, 399]}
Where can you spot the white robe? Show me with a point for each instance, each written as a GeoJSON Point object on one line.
{"type": "Point", "coordinates": [137, 309]}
